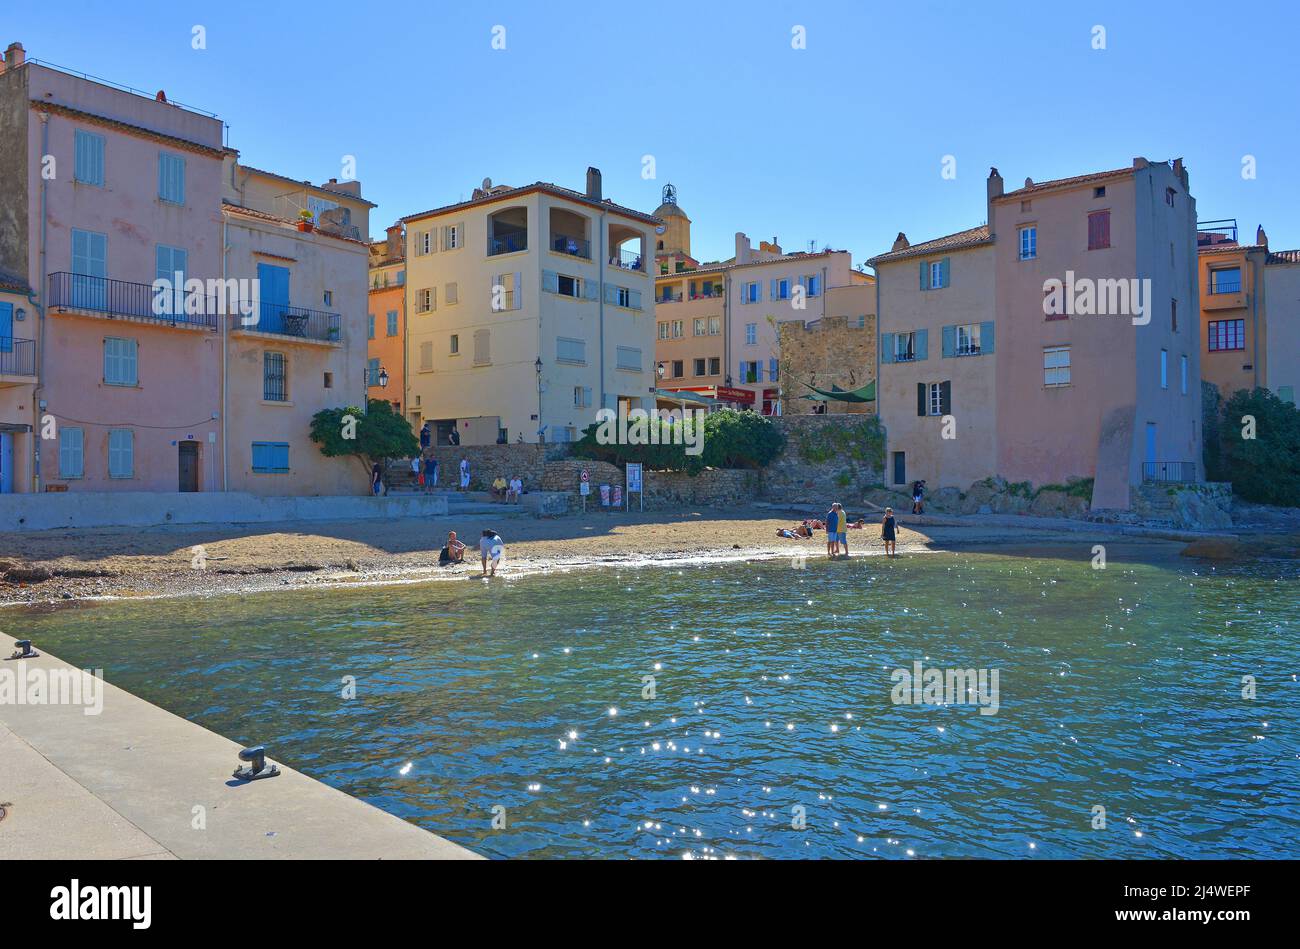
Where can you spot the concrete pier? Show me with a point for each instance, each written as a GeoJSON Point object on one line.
{"type": "Point", "coordinates": [137, 782]}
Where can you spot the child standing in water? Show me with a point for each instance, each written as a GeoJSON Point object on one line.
{"type": "Point", "coordinates": [887, 531]}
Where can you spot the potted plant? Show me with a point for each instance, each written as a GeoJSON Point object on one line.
{"type": "Point", "coordinates": [305, 221]}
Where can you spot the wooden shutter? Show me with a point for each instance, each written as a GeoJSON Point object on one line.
{"type": "Point", "coordinates": [482, 347]}
{"type": "Point", "coordinates": [943, 272]}
{"type": "Point", "coordinates": [986, 337]}
{"type": "Point", "coordinates": [945, 398]}
{"type": "Point", "coordinates": [887, 347]}
{"type": "Point", "coordinates": [921, 345]}
{"type": "Point", "coordinates": [949, 341]}
{"type": "Point", "coordinates": [925, 275]}
{"type": "Point", "coordinates": [920, 399]}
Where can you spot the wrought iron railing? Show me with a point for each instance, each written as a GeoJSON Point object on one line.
{"type": "Point", "coordinates": [1183, 471]}
{"type": "Point", "coordinates": [284, 320]}
{"type": "Point", "coordinates": [17, 357]}
{"type": "Point", "coordinates": [121, 299]}
{"type": "Point", "coordinates": [508, 244]}
{"type": "Point", "coordinates": [628, 260]}
{"type": "Point", "coordinates": [573, 246]}
{"type": "Point", "coordinates": [1225, 286]}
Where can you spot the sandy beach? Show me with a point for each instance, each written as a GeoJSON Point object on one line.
{"type": "Point", "coordinates": [217, 558]}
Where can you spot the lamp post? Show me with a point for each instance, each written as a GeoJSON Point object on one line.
{"type": "Point", "coordinates": [383, 378]}
{"type": "Point", "coordinates": [537, 366]}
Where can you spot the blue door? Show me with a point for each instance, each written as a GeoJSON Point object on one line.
{"type": "Point", "coordinates": [6, 329]}
{"type": "Point", "coordinates": [6, 463]}
{"type": "Point", "coordinates": [273, 291]}
{"type": "Point", "coordinates": [1151, 443]}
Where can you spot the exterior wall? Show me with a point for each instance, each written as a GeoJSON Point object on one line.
{"type": "Point", "coordinates": [905, 308]}
{"type": "Point", "coordinates": [19, 420]}
{"type": "Point", "coordinates": [689, 346]}
{"type": "Point", "coordinates": [316, 262]}
{"type": "Point", "coordinates": [1282, 290]}
{"type": "Point", "coordinates": [285, 197]}
{"type": "Point", "coordinates": [177, 396]}
{"type": "Point", "coordinates": [1245, 368]}
{"type": "Point", "coordinates": [504, 391]}
{"type": "Point", "coordinates": [389, 350]}
{"type": "Point", "coordinates": [1096, 425]}
{"type": "Point", "coordinates": [830, 352]}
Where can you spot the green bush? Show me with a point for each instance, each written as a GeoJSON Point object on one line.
{"type": "Point", "coordinates": [862, 441]}
{"type": "Point", "coordinates": [731, 440]}
{"type": "Point", "coordinates": [1265, 468]}
{"type": "Point", "coordinates": [377, 435]}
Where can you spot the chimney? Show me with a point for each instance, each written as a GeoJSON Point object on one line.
{"type": "Point", "coordinates": [593, 184]}
{"type": "Point", "coordinates": [994, 185]}
{"type": "Point", "coordinates": [900, 242]}
{"type": "Point", "coordinates": [1260, 237]}
{"type": "Point", "coordinates": [743, 250]}
{"type": "Point", "coordinates": [394, 251]}
{"type": "Point", "coordinates": [15, 55]}
{"type": "Point", "coordinates": [1139, 163]}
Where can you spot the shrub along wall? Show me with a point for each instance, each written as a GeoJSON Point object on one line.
{"type": "Point", "coordinates": [825, 457]}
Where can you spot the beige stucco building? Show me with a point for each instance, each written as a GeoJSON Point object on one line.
{"type": "Point", "coordinates": [1282, 351]}
{"type": "Point", "coordinates": [529, 309]}
{"type": "Point", "coordinates": [386, 348]}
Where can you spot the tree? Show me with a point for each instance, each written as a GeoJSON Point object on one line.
{"type": "Point", "coordinates": [372, 437]}
{"type": "Point", "coordinates": [1259, 447]}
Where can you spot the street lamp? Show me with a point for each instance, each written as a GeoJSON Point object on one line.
{"type": "Point", "coordinates": [541, 429]}
{"type": "Point", "coordinates": [383, 378]}
{"type": "Point", "coordinates": [660, 370]}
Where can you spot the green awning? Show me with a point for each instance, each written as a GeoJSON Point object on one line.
{"type": "Point", "coordinates": [685, 397]}
{"type": "Point", "coordinates": [866, 393]}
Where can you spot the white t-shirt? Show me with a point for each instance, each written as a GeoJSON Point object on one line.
{"type": "Point", "coordinates": [491, 547]}
{"type": "Point", "coordinates": [516, 486]}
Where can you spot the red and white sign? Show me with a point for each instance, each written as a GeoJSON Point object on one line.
{"type": "Point", "coordinates": [728, 394]}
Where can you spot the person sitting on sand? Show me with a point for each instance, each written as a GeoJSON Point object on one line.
{"type": "Point", "coordinates": [887, 530]}
{"type": "Point", "coordinates": [454, 552]}
{"type": "Point", "coordinates": [805, 529]}
{"type": "Point", "coordinates": [490, 547]}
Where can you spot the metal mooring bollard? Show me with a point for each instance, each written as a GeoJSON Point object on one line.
{"type": "Point", "coordinates": [24, 650]}
{"type": "Point", "coordinates": [257, 767]}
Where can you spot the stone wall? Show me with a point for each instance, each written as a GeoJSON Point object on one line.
{"type": "Point", "coordinates": [1206, 506]}
{"type": "Point", "coordinates": [830, 352]}
{"type": "Point", "coordinates": [528, 461]}
{"type": "Point", "coordinates": [792, 478]}
{"type": "Point", "coordinates": [664, 490]}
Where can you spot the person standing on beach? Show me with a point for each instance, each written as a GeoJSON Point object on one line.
{"type": "Point", "coordinates": [453, 437]}
{"type": "Point", "coordinates": [887, 531]}
{"type": "Point", "coordinates": [376, 479]}
{"type": "Point", "coordinates": [430, 474]}
{"type": "Point", "coordinates": [832, 531]}
{"type": "Point", "coordinates": [490, 547]}
{"type": "Point", "coordinates": [464, 474]}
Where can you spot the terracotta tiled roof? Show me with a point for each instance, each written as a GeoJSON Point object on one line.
{"type": "Point", "coordinates": [1283, 257]}
{"type": "Point", "coordinates": [41, 105]}
{"type": "Point", "coordinates": [13, 284]}
{"type": "Point", "coordinates": [307, 184]}
{"type": "Point", "coordinates": [731, 264]}
{"type": "Point", "coordinates": [544, 186]}
{"type": "Point", "coordinates": [264, 216]}
{"type": "Point", "coordinates": [1229, 246]}
{"type": "Point", "coordinates": [1059, 183]}
{"type": "Point", "coordinates": [971, 237]}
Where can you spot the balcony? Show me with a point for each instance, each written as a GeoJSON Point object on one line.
{"type": "Point", "coordinates": [670, 297]}
{"type": "Point", "coordinates": [17, 360]}
{"type": "Point", "coordinates": [706, 293]}
{"type": "Point", "coordinates": [119, 299]}
{"type": "Point", "coordinates": [628, 260]}
{"type": "Point", "coordinates": [572, 246]}
{"type": "Point", "coordinates": [508, 243]}
{"type": "Point", "coordinates": [294, 322]}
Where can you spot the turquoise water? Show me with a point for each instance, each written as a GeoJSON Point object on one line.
{"type": "Point", "coordinates": [1118, 688]}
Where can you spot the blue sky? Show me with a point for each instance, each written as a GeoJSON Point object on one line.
{"type": "Point", "coordinates": [840, 143]}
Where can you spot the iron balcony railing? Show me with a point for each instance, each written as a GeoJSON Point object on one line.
{"type": "Point", "coordinates": [1225, 286]}
{"type": "Point", "coordinates": [120, 299]}
{"type": "Point", "coordinates": [284, 320]}
{"type": "Point", "coordinates": [17, 357]}
{"type": "Point", "coordinates": [666, 297]}
{"type": "Point", "coordinates": [705, 293]}
{"type": "Point", "coordinates": [628, 260]}
{"type": "Point", "coordinates": [508, 244]}
{"type": "Point", "coordinates": [573, 246]}
{"type": "Point", "coordinates": [1182, 471]}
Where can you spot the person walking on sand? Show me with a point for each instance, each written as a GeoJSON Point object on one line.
{"type": "Point", "coordinates": [887, 530]}
{"type": "Point", "coordinates": [918, 497]}
{"type": "Point", "coordinates": [464, 474]}
{"type": "Point", "coordinates": [490, 547]}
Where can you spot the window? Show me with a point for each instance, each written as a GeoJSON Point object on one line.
{"type": "Point", "coordinates": [933, 398]}
{"type": "Point", "coordinates": [749, 293]}
{"type": "Point", "coordinates": [679, 329]}
{"type": "Point", "coordinates": [698, 327]}
{"type": "Point", "coordinates": [781, 288]}
{"type": "Point", "coordinates": [858, 322]}
{"type": "Point", "coordinates": [582, 397]}
{"type": "Point", "coordinates": [171, 264]}
{"type": "Point", "coordinates": [328, 380]}
{"type": "Point", "coordinates": [453, 236]}
{"type": "Point", "coordinates": [1225, 280]}
{"type": "Point", "coordinates": [968, 340]}
{"type": "Point", "coordinates": [715, 365]}
{"type": "Point", "coordinates": [88, 158]}
{"type": "Point", "coordinates": [392, 322]}
{"type": "Point", "coordinates": [451, 294]}
{"type": "Point", "coordinates": [426, 358]}
{"type": "Point", "coordinates": [751, 333]}
{"type": "Point", "coordinates": [628, 357]}
{"type": "Point", "coordinates": [370, 326]}
{"type": "Point", "coordinates": [271, 457]}
{"type": "Point", "coordinates": [773, 369]}
{"type": "Point", "coordinates": [423, 241]}
{"type": "Point", "coordinates": [274, 378]}
{"type": "Point", "coordinates": [505, 290]}
{"type": "Point", "coordinates": [678, 369]}
{"type": "Point", "coordinates": [71, 456]}
{"type": "Point", "coordinates": [700, 367]}
{"type": "Point", "coordinates": [936, 398]}
{"type": "Point", "coordinates": [372, 372]}
{"type": "Point", "coordinates": [482, 348]}
{"type": "Point", "coordinates": [1169, 196]}
{"type": "Point", "coordinates": [423, 301]}
{"type": "Point", "coordinates": [327, 298]}
{"type": "Point", "coordinates": [1164, 369]}
{"type": "Point", "coordinates": [1098, 230]}
{"type": "Point", "coordinates": [453, 346]}
{"type": "Point", "coordinates": [171, 178]}
{"type": "Point", "coordinates": [1028, 243]}
{"type": "Point", "coordinates": [567, 286]}
{"type": "Point", "coordinates": [904, 347]}
{"type": "Point", "coordinates": [121, 453]}
{"type": "Point", "coordinates": [751, 371]}
{"type": "Point", "coordinates": [1173, 315]}
{"type": "Point", "coordinates": [571, 350]}
{"type": "Point", "coordinates": [812, 284]}
{"type": "Point", "coordinates": [120, 362]}
{"type": "Point", "coordinates": [664, 329]}
{"type": "Point", "coordinates": [1227, 334]}
{"type": "Point", "coordinates": [1099, 192]}
{"type": "Point", "coordinates": [936, 274]}
{"type": "Point", "coordinates": [1182, 374]}
{"type": "Point", "coordinates": [715, 325]}
{"type": "Point", "coordinates": [1056, 366]}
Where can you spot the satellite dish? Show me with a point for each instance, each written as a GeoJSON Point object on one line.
{"type": "Point", "coordinates": [487, 184]}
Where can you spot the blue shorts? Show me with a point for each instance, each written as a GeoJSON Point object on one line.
{"type": "Point", "coordinates": [842, 537]}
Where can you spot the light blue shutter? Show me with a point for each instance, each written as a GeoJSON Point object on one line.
{"type": "Point", "coordinates": [949, 341]}
{"type": "Point", "coordinates": [943, 271]}
{"type": "Point", "coordinates": [986, 337]}
{"type": "Point", "coordinates": [634, 299]}
{"type": "Point", "coordinates": [611, 293]}
{"type": "Point", "coordinates": [887, 345]}
{"type": "Point", "coordinates": [88, 158]}
{"type": "Point", "coordinates": [921, 345]}
{"type": "Point", "coordinates": [591, 289]}
{"type": "Point", "coordinates": [772, 290]}
{"type": "Point", "coordinates": [259, 456]}
{"type": "Point", "coordinates": [550, 281]}
{"type": "Point", "coordinates": [925, 276]}
{"type": "Point", "coordinates": [6, 327]}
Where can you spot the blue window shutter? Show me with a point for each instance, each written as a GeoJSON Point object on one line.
{"type": "Point", "coordinates": [949, 341]}
{"type": "Point", "coordinates": [550, 281]}
{"type": "Point", "coordinates": [921, 345]}
{"type": "Point", "coordinates": [925, 276]}
{"type": "Point", "coordinates": [282, 456]}
{"type": "Point", "coordinates": [887, 347]}
{"type": "Point", "coordinates": [986, 337]}
{"type": "Point", "coordinates": [740, 377]}
{"type": "Point", "coordinates": [772, 290]}
{"type": "Point", "coordinates": [259, 456]}
{"type": "Point", "coordinates": [6, 327]}
{"type": "Point", "coordinates": [943, 271]}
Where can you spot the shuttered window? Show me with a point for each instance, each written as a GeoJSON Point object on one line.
{"type": "Point", "coordinates": [426, 356]}
{"type": "Point", "coordinates": [121, 453]}
{"type": "Point", "coordinates": [71, 454]}
{"type": "Point", "coordinates": [171, 178]}
{"type": "Point", "coordinates": [392, 322]}
{"type": "Point", "coordinates": [628, 357]}
{"type": "Point", "coordinates": [271, 457]}
{"type": "Point", "coordinates": [275, 378]}
{"type": "Point", "coordinates": [88, 158]}
{"type": "Point", "coordinates": [570, 350]}
{"type": "Point", "coordinates": [1098, 230]}
{"type": "Point", "coordinates": [120, 362]}
{"type": "Point", "coordinates": [482, 347]}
